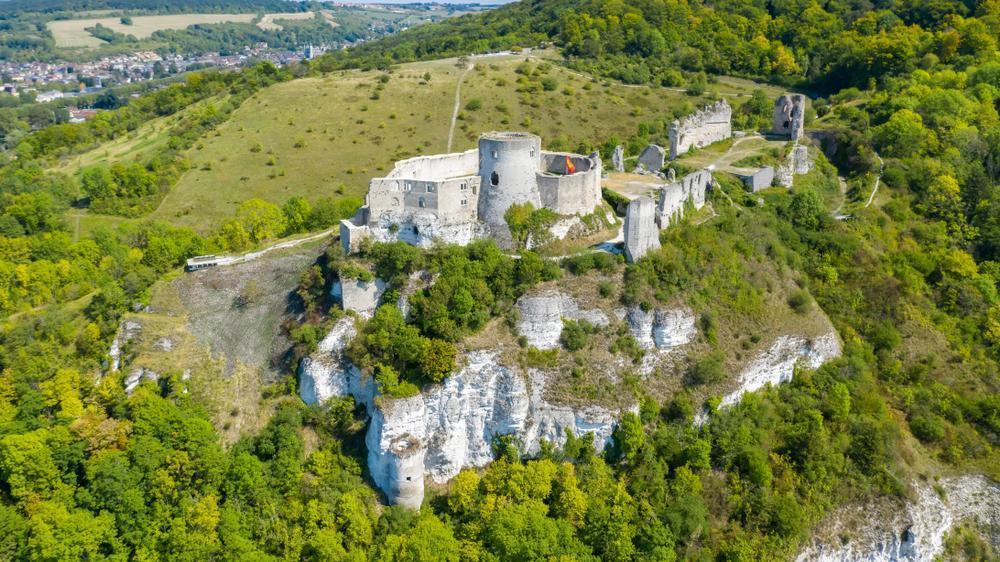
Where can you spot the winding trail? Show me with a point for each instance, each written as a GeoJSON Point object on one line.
{"type": "Point", "coordinates": [458, 104]}
{"type": "Point", "coordinates": [250, 256]}
{"type": "Point", "coordinates": [878, 180]}
{"type": "Point", "coordinates": [842, 183]}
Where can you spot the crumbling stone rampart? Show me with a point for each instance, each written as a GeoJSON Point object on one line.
{"type": "Point", "coordinates": [641, 232]}
{"type": "Point", "coordinates": [692, 188]}
{"type": "Point", "coordinates": [789, 116]}
{"type": "Point", "coordinates": [710, 124]}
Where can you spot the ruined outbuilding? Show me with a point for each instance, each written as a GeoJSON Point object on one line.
{"type": "Point", "coordinates": [708, 125]}
{"type": "Point", "coordinates": [641, 232]}
{"type": "Point", "coordinates": [759, 179]}
{"type": "Point", "coordinates": [460, 197]}
{"type": "Point", "coordinates": [789, 116]}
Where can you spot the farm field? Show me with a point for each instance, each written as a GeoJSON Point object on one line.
{"type": "Point", "coordinates": [327, 136]}
{"type": "Point", "coordinates": [73, 33]}
{"type": "Point", "coordinates": [270, 21]}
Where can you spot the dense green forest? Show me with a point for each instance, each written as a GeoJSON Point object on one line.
{"type": "Point", "coordinates": [89, 472]}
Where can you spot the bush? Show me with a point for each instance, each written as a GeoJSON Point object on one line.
{"type": "Point", "coordinates": [474, 104]}
{"type": "Point", "coordinates": [709, 369]}
{"type": "Point", "coordinates": [799, 301]}
{"type": "Point", "coordinates": [576, 333]}
{"type": "Point", "coordinates": [928, 429]}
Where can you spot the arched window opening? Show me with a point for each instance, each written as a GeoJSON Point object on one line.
{"type": "Point", "coordinates": [494, 179]}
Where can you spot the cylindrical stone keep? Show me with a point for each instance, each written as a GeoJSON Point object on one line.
{"type": "Point", "coordinates": [508, 166]}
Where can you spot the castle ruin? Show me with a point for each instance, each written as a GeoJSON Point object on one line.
{"type": "Point", "coordinates": [789, 116]}
{"type": "Point", "coordinates": [710, 124]}
{"type": "Point", "coordinates": [459, 197]}
{"type": "Point", "coordinates": [692, 188]}
{"type": "Point", "coordinates": [641, 233]}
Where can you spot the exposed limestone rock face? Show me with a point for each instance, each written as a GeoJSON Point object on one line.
{"type": "Point", "coordinates": [912, 530]}
{"type": "Point", "coordinates": [652, 158]}
{"type": "Point", "coordinates": [618, 158]}
{"type": "Point", "coordinates": [326, 373]}
{"type": "Point", "coordinates": [777, 364]}
{"type": "Point", "coordinates": [451, 426]}
{"type": "Point", "coordinates": [425, 229]}
{"type": "Point", "coordinates": [641, 233]}
{"type": "Point", "coordinates": [137, 376]}
{"type": "Point", "coordinates": [127, 331]}
{"type": "Point", "coordinates": [661, 329]}
{"type": "Point", "coordinates": [542, 317]}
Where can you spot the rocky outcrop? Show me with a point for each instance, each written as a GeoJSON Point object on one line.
{"type": "Point", "coordinates": [777, 364]}
{"type": "Point", "coordinates": [450, 426]}
{"type": "Point", "coordinates": [542, 317]}
{"type": "Point", "coordinates": [661, 329]}
{"type": "Point", "coordinates": [137, 376]}
{"type": "Point", "coordinates": [326, 373]}
{"type": "Point", "coordinates": [426, 229]}
{"type": "Point", "coordinates": [127, 331]}
{"type": "Point", "coordinates": [912, 530]}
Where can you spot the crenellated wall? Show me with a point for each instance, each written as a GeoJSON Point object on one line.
{"type": "Point", "coordinates": [710, 124]}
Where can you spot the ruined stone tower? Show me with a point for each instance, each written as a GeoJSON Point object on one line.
{"type": "Point", "coordinates": [641, 232]}
{"type": "Point", "coordinates": [508, 169]}
{"type": "Point", "coordinates": [789, 116]}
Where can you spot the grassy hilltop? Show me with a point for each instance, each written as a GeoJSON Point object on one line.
{"type": "Point", "coordinates": [329, 135]}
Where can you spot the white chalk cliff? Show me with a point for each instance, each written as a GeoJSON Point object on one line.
{"type": "Point", "coordinates": [542, 315]}
{"type": "Point", "coordinates": [912, 530]}
{"type": "Point", "coordinates": [777, 364]}
{"type": "Point", "coordinates": [451, 426]}
{"type": "Point", "coordinates": [661, 329]}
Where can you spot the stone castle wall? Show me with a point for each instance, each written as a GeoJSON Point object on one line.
{"type": "Point", "coordinates": [457, 198]}
{"type": "Point", "coordinates": [710, 124]}
{"type": "Point", "coordinates": [578, 193]}
{"type": "Point", "coordinates": [789, 116]}
{"type": "Point", "coordinates": [692, 188]}
{"type": "Point", "coordinates": [641, 233]}
{"type": "Point", "coordinates": [438, 166]}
